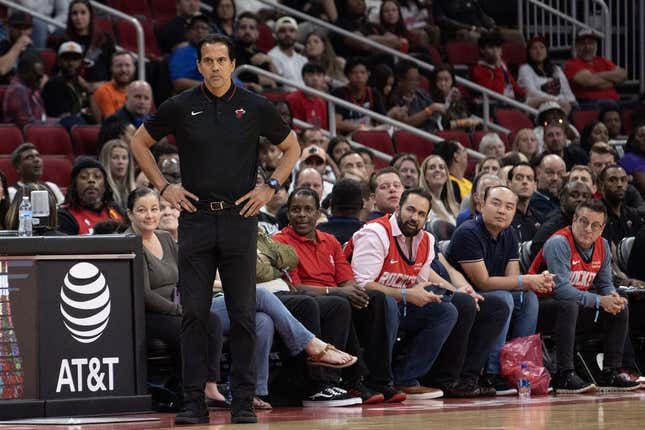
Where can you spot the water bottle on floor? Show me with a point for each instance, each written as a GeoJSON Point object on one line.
{"type": "Point", "coordinates": [524, 384]}
{"type": "Point", "coordinates": [25, 225]}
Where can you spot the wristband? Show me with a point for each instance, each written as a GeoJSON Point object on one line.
{"type": "Point", "coordinates": [405, 305]}
{"type": "Point", "coordinates": [520, 284]}
{"type": "Point", "coordinates": [595, 318]}
{"type": "Point", "coordinates": [164, 189]}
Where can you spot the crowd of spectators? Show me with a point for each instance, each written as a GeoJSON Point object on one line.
{"type": "Point", "coordinates": [429, 246]}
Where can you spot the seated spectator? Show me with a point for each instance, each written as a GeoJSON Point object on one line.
{"type": "Point", "coordinates": [22, 103]}
{"type": "Point", "coordinates": [456, 158]}
{"type": "Point", "coordinates": [337, 146]}
{"type": "Point", "coordinates": [391, 22]}
{"type": "Point", "coordinates": [173, 34]}
{"type": "Point", "coordinates": [16, 41]}
{"type": "Point", "coordinates": [583, 173]}
{"type": "Point", "coordinates": [408, 166]}
{"type": "Point", "coordinates": [634, 159]}
{"type": "Point", "coordinates": [443, 90]}
{"type": "Point", "coordinates": [392, 255]}
{"type": "Point", "coordinates": [223, 17]}
{"type": "Point", "coordinates": [593, 132]}
{"type": "Point", "coordinates": [512, 158]}
{"type": "Point", "coordinates": [88, 200]}
{"type": "Point", "coordinates": [138, 103]}
{"type": "Point", "coordinates": [346, 204]}
{"type": "Point", "coordinates": [555, 142]}
{"type": "Point", "coordinates": [29, 166]}
{"type": "Point", "coordinates": [521, 179]}
{"type": "Point", "coordinates": [481, 183]}
{"type": "Point", "coordinates": [549, 171]}
{"type": "Point", "coordinates": [542, 79]}
{"type": "Point", "coordinates": [368, 159]}
{"type": "Point", "coordinates": [491, 71]}
{"type": "Point", "coordinates": [12, 218]}
{"type": "Point", "coordinates": [415, 107]}
{"type": "Point", "coordinates": [183, 60]}
{"type": "Point", "coordinates": [382, 79]}
{"type": "Point", "coordinates": [492, 145]}
{"type": "Point", "coordinates": [98, 46]}
{"type": "Point", "coordinates": [622, 221]}
{"type": "Point", "coordinates": [352, 166]}
{"type": "Point", "coordinates": [489, 164]}
{"type": "Point", "coordinates": [307, 177]}
{"type": "Point", "coordinates": [114, 128]}
{"type": "Point", "coordinates": [55, 9]}
{"type": "Point", "coordinates": [435, 180]}
{"type": "Point", "coordinates": [571, 195]}
{"type": "Point", "coordinates": [268, 156]}
{"type": "Point", "coordinates": [287, 61]}
{"type": "Point", "coordinates": [284, 110]}
{"type": "Point", "coordinates": [168, 219]}
{"type": "Point", "coordinates": [526, 143]}
{"type": "Point", "coordinates": [160, 278]}
{"type": "Point", "coordinates": [307, 107]}
{"type": "Point", "coordinates": [66, 95]}
{"type": "Point", "coordinates": [485, 251]}
{"type": "Point", "coordinates": [358, 93]}
{"type": "Point", "coordinates": [580, 259]}
{"type": "Point", "coordinates": [593, 79]}
{"type": "Point", "coordinates": [315, 157]}
{"type": "Point", "coordinates": [117, 160]}
{"type": "Point", "coordinates": [385, 191]}
{"type": "Point", "coordinates": [110, 96]}
{"type": "Point", "coordinates": [268, 216]}
{"type": "Point", "coordinates": [418, 16]}
{"type": "Point", "coordinates": [552, 113]}
{"type": "Point", "coordinates": [318, 49]}
{"type": "Point", "coordinates": [614, 123]}
{"type": "Point", "coordinates": [4, 199]}
{"type": "Point", "coordinates": [246, 52]}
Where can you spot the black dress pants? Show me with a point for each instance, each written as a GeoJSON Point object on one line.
{"type": "Point", "coordinates": [208, 241]}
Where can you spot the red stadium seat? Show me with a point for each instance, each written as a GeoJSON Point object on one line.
{"type": "Point", "coordinates": [105, 24]}
{"type": "Point", "coordinates": [162, 9]}
{"type": "Point", "coordinates": [514, 55]}
{"type": "Point", "coordinates": [583, 117]}
{"type": "Point", "coordinates": [57, 169]}
{"type": "Point", "coordinates": [627, 116]}
{"type": "Point", "coordinates": [7, 168]}
{"type": "Point", "coordinates": [50, 140]}
{"type": "Point", "coordinates": [435, 55]}
{"type": "Point", "coordinates": [265, 41]}
{"type": "Point", "coordinates": [48, 56]}
{"type": "Point", "coordinates": [3, 90]}
{"type": "Point", "coordinates": [375, 139]}
{"type": "Point", "coordinates": [404, 141]}
{"type": "Point", "coordinates": [84, 139]}
{"type": "Point", "coordinates": [462, 53]}
{"type": "Point", "coordinates": [10, 138]}
{"type": "Point", "coordinates": [477, 137]}
{"type": "Point", "coordinates": [127, 36]}
{"type": "Point", "coordinates": [132, 7]}
{"type": "Point", "coordinates": [512, 119]}
{"type": "Point", "coordinates": [460, 136]}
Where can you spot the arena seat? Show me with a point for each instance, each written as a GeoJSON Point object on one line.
{"type": "Point", "coordinates": [132, 7]}
{"type": "Point", "coordinates": [375, 139]}
{"type": "Point", "coordinates": [127, 36]}
{"type": "Point", "coordinates": [627, 117]}
{"type": "Point", "coordinates": [583, 117]}
{"type": "Point", "coordinates": [48, 56]}
{"type": "Point", "coordinates": [163, 9]}
{"type": "Point", "coordinates": [265, 41]}
{"type": "Point", "coordinates": [512, 119]}
{"type": "Point", "coordinates": [50, 140]}
{"type": "Point", "coordinates": [57, 169]}
{"type": "Point", "coordinates": [458, 135]}
{"type": "Point", "coordinates": [7, 168]}
{"type": "Point", "coordinates": [404, 141]}
{"type": "Point", "coordinates": [624, 249]}
{"type": "Point", "coordinates": [514, 55]}
{"type": "Point", "coordinates": [84, 139]}
{"type": "Point", "coordinates": [10, 138]}
{"type": "Point", "coordinates": [462, 53]}
{"type": "Point", "coordinates": [525, 256]}
{"type": "Point", "coordinates": [435, 56]}
{"type": "Point", "coordinates": [441, 230]}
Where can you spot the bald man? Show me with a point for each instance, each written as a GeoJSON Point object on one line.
{"type": "Point", "coordinates": [138, 102]}
{"type": "Point", "coordinates": [549, 171]}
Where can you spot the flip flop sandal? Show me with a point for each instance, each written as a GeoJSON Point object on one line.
{"type": "Point", "coordinates": [317, 360]}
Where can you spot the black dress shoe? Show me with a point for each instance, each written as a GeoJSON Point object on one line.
{"type": "Point", "coordinates": [242, 412]}
{"type": "Point", "coordinates": [218, 404]}
{"type": "Point", "coordinates": [193, 414]}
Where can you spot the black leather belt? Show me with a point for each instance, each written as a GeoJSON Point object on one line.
{"type": "Point", "coordinates": [215, 206]}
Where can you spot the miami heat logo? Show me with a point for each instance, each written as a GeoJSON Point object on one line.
{"type": "Point", "coordinates": [239, 113]}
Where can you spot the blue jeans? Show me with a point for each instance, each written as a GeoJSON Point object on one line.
{"type": "Point", "coordinates": [427, 328]}
{"type": "Point", "coordinates": [524, 318]}
{"type": "Point", "coordinates": [271, 316]}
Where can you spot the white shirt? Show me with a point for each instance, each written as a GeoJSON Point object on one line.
{"type": "Point", "coordinates": [532, 83]}
{"type": "Point", "coordinates": [289, 67]}
{"type": "Point", "coordinates": [60, 198]}
{"type": "Point", "coordinates": [372, 245]}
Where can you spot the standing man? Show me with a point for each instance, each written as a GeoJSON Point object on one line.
{"type": "Point", "coordinates": [217, 126]}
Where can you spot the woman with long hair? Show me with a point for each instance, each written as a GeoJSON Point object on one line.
{"type": "Point", "coordinates": [526, 142]}
{"type": "Point", "coordinates": [391, 22]}
{"type": "Point", "coordinates": [443, 90]}
{"type": "Point", "coordinates": [435, 179]}
{"type": "Point", "coordinates": [593, 132]}
{"type": "Point", "coordinates": [318, 48]}
{"type": "Point", "coordinates": [224, 13]}
{"type": "Point", "coordinates": [115, 156]}
{"type": "Point", "coordinates": [542, 79]}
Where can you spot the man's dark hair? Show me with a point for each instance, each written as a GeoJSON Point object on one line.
{"type": "Point", "coordinates": [522, 163]}
{"type": "Point", "coordinates": [364, 150]}
{"type": "Point", "coordinates": [491, 38]}
{"type": "Point", "coordinates": [605, 111]}
{"type": "Point", "coordinates": [593, 205]}
{"type": "Point", "coordinates": [402, 68]}
{"type": "Point", "coordinates": [446, 149]}
{"type": "Point", "coordinates": [212, 39]}
{"type": "Point", "coordinates": [353, 62]}
{"type": "Point", "coordinates": [416, 191]}
{"type": "Point", "coordinates": [302, 191]}
{"type": "Point", "coordinates": [351, 152]}
{"type": "Point", "coordinates": [512, 158]}
{"type": "Point", "coordinates": [604, 148]}
{"type": "Point", "coordinates": [603, 173]}
{"type": "Point", "coordinates": [27, 62]}
{"type": "Point", "coordinates": [200, 17]}
{"type": "Point", "coordinates": [112, 127]}
{"type": "Point", "coordinates": [163, 147]}
{"type": "Point", "coordinates": [16, 155]}
{"type": "Point", "coordinates": [346, 198]}
{"type": "Point", "coordinates": [489, 189]}
{"type": "Point", "coordinates": [313, 68]}
{"type": "Point", "coordinates": [120, 54]}
{"type": "Point", "coordinates": [247, 15]}
{"type": "Point", "coordinates": [380, 172]}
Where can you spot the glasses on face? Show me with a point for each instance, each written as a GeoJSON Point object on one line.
{"type": "Point", "coordinates": [595, 227]}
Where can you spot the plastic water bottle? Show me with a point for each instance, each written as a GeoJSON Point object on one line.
{"type": "Point", "coordinates": [524, 384]}
{"type": "Point", "coordinates": [25, 217]}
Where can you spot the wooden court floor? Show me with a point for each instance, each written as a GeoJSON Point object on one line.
{"type": "Point", "coordinates": [608, 411]}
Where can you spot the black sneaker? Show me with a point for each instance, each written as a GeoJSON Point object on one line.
{"type": "Point", "coordinates": [499, 384]}
{"type": "Point", "coordinates": [568, 382]}
{"type": "Point", "coordinates": [611, 380]}
{"type": "Point", "coordinates": [367, 395]}
{"type": "Point", "coordinates": [242, 412]}
{"type": "Point", "coordinates": [331, 397]}
{"type": "Point", "coordinates": [195, 413]}
{"type": "Point", "coordinates": [390, 394]}
{"type": "Point", "coordinates": [466, 388]}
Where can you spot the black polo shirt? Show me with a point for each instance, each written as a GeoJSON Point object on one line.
{"type": "Point", "coordinates": [471, 242]}
{"type": "Point", "coordinates": [619, 227]}
{"type": "Point", "coordinates": [218, 138]}
{"type": "Point", "coordinates": [526, 224]}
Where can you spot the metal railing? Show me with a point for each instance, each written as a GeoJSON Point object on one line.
{"type": "Point", "coordinates": [333, 101]}
{"type": "Point", "coordinates": [486, 93]}
{"type": "Point", "coordinates": [627, 17]}
{"type": "Point", "coordinates": [141, 49]}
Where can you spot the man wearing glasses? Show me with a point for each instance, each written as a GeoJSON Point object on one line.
{"type": "Point", "coordinates": [580, 259]}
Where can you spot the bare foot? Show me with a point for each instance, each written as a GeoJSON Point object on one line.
{"type": "Point", "coordinates": [331, 355]}
{"type": "Point", "coordinates": [212, 392]}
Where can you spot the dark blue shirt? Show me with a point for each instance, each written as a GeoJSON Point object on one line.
{"type": "Point", "coordinates": [341, 227]}
{"type": "Point", "coordinates": [542, 202]}
{"type": "Point", "coordinates": [471, 242]}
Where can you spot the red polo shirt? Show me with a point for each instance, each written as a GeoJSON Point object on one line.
{"type": "Point", "coordinates": [313, 111]}
{"type": "Point", "coordinates": [598, 64]}
{"type": "Point", "coordinates": [321, 262]}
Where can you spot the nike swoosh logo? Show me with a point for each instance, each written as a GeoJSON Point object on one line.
{"type": "Point", "coordinates": [193, 113]}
